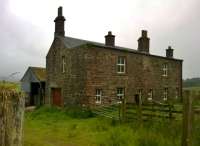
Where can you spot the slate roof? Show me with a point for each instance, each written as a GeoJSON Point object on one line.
{"type": "Point", "coordinates": [74, 42]}
{"type": "Point", "coordinates": [70, 42]}
{"type": "Point", "coordinates": [39, 72]}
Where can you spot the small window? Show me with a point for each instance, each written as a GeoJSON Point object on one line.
{"type": "Point", "coordinates": [121, 61]}
{"type": "Point", "coordinates": [165, 70]}
{"type": "Point", "coordinates": [63, 64]}
{"type": "Point", "coordinates": [165, 94]}
{"type": "Point", "coordinates": [98, 96]}
{"type": "Point", "coordinates": [120, 93]}
{"type": "Point", "coordinates": [150, 95]}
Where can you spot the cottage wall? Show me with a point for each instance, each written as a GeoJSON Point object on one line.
{"type": "Point", "coordinates": [71, 81]}
{"type": "Point", "coordinates": [143, 72]}
{"type": "Point", "coordinates": [90, 67]}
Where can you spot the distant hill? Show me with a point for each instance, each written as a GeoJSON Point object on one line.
{"type": "Point", "coordinates": [193, 82]}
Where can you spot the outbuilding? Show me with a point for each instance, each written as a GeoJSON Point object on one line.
{"type": "Point", "coordinates": [33, 85]}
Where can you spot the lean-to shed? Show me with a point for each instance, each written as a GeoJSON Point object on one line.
{"type": "Point", "coordinates": [33, 84]}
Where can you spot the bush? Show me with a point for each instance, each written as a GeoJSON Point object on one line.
{"type": "Point", "coordinates": [78, 112]}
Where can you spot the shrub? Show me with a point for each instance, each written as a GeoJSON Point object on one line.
{"type": "Point", "coordinates": [78, 112]}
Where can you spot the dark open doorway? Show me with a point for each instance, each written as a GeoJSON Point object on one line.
{"type": "Point", "coordinates": [34, 93]}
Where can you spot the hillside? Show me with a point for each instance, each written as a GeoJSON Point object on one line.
{"type": "Point", "coordinates": [192, 82]}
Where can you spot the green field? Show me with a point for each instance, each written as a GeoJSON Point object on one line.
{"type": "Point", "coordinates": [54, 127]}
{"type": "Point", "coordinates": [192, 88]}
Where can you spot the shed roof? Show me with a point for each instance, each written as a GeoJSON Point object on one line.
{"type": "Point", "coordinates": [38, 72]}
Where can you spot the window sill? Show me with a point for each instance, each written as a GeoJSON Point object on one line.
{"type": "Point", "coordinates": [165, 76]}
{"type": "Point", "coordinates": [121, 74]}
{"type": "Point", "coordinates": [98, 102]}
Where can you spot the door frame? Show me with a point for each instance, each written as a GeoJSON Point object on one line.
{"type": "Point", "coordinates": [52, 96]}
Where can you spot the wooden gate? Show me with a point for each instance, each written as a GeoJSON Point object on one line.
{"type": "Point", "coordinates": [56, 96]}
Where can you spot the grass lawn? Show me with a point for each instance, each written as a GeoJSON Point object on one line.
{"type": "Point", "coordinates": [53, 127]}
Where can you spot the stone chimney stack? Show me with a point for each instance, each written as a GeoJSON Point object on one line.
{"type": "Point", "coordinates": [59, 24]}
{"type": "Point", "coordinates": [110, 39]}
{"type": "Point", "coordinates": [143, 42]}
{"type": "Point", "coordinates": [169, 52]}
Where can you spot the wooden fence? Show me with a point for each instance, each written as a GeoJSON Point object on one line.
{"type": "Point", "coordinates": [189, 113]}
{"type": "Point", "coordinates": [127, 112]}
{"type": "Point", "coordinates": [11, 117]}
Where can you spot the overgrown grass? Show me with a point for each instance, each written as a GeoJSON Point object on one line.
{"type": "Point", "coordinates": [10, 85]}
{"type": "Point", "coordinates": [72, 127]}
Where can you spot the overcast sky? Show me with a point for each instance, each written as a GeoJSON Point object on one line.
{"type": "Point", "coordinates": [27, 28]}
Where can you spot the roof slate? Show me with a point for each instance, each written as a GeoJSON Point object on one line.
{"type": "Point", "coordinates": [74, 42]}
{"type": "Point", "coordinates": [70, 42]}
{"type": "Point", "coordinates": [39, 72]}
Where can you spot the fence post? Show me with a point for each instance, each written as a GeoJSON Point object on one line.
{"type": "Point", "coordinates": [120, 107]}
{"type": "Point", "coordinates": [187, 119]}
{"type": "Point", "coordinates": [140, 110]}
{"type": "Point", "coordinates": [170, 111]}
{"type": "Point", "coordinates": [123, 109]}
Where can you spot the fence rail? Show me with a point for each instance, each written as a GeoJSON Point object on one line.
{"type": "Point", "coordinates": [130, 111]}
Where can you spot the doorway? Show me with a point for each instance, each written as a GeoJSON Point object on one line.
{"type": "Point", "coordinates": [56, 96]}
{"type": "Point", "coordinates": [138, 99]}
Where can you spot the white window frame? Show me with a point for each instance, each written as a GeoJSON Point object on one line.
{"type": "Point", "coordinates": [165, 70]}
{"type": "Point", "coordinates": [98, 96]}
{"type": "Point", "coordinates": [120, 93]}
{"type": "Point", "coordinates": [121, 64]}
{"type": "Point", "coordinates": [63, 64]}
{"type": "Point", "coordinates": [150, 98]}
{"type": "Point", "coordinates": [165, 94]}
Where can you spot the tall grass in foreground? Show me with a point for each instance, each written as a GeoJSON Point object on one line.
{"type": "Point", "coordinates": [52, 126]}
{"type": "Point", "coordinates": [9, 86]}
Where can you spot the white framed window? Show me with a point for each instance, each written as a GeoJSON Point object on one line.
{"type": "Point", "coordinates": [120, 93]}
{"type": "Point", "coordinates": [121, 64]}
{"type": "Point", "coordinates": [150, 95]}
{"type": "Point", "coordinates": [98, 96]}
{"type": "Point", "coordinates": [165, 70]}
{"type": "Point", "coordinates": [63, 64]}
{"type": "Point", "coordinates": [165, 94]}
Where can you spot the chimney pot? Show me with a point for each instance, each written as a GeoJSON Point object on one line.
{"type": "Point", "coordinates": [59, 24]}
{"type": "Point", "coordinates": [60, 11]}
{"type": "Point", "coordinates": [169, 52]}
{"type": "Point", "coordinates": [144, 33]}
{"type": "Point", "coordinates": [110, 39]}
{"type": "Point", "coordinates": [143, 42]}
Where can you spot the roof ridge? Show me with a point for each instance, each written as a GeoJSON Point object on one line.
{"type": "Point", "coordinates": [87, 41]}
{"type": "Point", "coordinates": [37, 67]}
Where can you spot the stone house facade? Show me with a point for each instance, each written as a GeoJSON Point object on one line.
{"type": "Point", "coordinates": [90, 73]}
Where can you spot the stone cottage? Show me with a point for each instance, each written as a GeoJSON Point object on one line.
{"type": "Point", "coordinates": [91, 73]}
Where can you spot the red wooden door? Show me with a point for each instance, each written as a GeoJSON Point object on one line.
{"type": "Point", "coordinates": [56, 95]}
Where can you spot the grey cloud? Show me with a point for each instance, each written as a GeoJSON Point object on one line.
{"type": "Point", "coordinates": [24, 44]}
{"type": "Point", "coordinates": [21, 44]}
